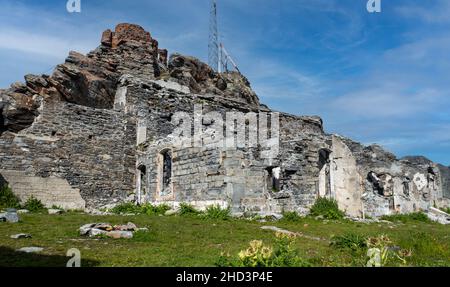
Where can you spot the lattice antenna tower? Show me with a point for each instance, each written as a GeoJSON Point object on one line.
{"type": "Point", "coordinates": [213, 46]}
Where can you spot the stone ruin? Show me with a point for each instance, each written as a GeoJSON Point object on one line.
{"type": "Point", "coordinates": [97, 132]}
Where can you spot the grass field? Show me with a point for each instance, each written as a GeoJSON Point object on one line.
{"type": "Point", "coordinates": [191, 241]}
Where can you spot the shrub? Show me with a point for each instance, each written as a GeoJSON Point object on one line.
{"type": "Point", "coordinates": [187, 209]}
{"type": "Point", "coordinates": [216, 212]}
{"type": "Point", "coordinates": [8, 199]}
{"type": "Point", "coordinates": [150, 209]}
{"type": "Point", "coordinates": [127, 208]}
{"type": "Point", "coordinates": [417, 216]}
{"type": "Point", "coordinates": [34, 205]}
{"type": "Point", "coordinates": [291, 216]}
{"type": "Point", "coordinates": [350, 241]}
{"type": "Point", "coordinates": [328, 208]}
{"type": "Point", "coordinates": [258, 255]}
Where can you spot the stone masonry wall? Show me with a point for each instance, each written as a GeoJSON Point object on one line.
{"type": "Point", "coordinates": [92, 149]}
{"type": "Point", "coordinates": [237, 177]}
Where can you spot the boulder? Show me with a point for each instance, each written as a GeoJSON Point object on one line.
{"type": "Point", "coordinates": [20, 236]}
{"type": "Point", "coordinates": [106, 229]}
{"type": "Point", "coordinates": [9, 216]}
{"type": "Point", "coordinates": [128, 227]}
{"type": "Point", "coordinates": [55, 211]}
{"type": "Point", "coordinates": [170, 212]}
{"type": "Point", "coordinates": [84, 230]}
{"type": "Point", "coordinates": [104, 226]}
{"type": "Point", "coordinates": [96, 232]}
{"type": "Point", "coordinates": [438, 216]}
{"type": "Point", "coordinates": [117, 234]}
{"type": "Point", "coordinates": [30, 249]}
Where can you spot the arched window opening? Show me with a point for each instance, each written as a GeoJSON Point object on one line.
{"type": "Point", "coordinates": [166, 172]}
{"type": "Point", "coordinates": [324, 166]}
{"type": "Point", "coordinates": [142, 182]}
{"type": "Point", "coordinates": [273, 179]}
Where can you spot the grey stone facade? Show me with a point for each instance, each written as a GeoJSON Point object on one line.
{"type": "Point", "coordinates": [99, 131]}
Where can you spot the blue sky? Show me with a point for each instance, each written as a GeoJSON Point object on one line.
{"type": "Point", "coordinates": [377, 78]}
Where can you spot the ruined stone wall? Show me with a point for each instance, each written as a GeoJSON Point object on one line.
{"type": "Point", "coordinates": [98, 130]}
{"type": "Point", "coordinates": [445, 180]}
{"type": "Point", "coordinates": [52, 191]}
{"type": "Point", "coordinates": [389, 185]}
{"type": "Point", "coordinates": [237, 177]}
{"type": "Point", "coordinates": [93, 150]}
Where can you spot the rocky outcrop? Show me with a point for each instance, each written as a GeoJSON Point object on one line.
{"type": "Point", "coordinates": [19, 104]}
{"type": "Point", "coordinates": [202, 79]}
{"type": "Point", "coordinates": [91, 80]}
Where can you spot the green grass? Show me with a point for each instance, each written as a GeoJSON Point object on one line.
{"type": "Point", "coordinates": [182, 241]}
{"type": "Point", "coordinates": [417, 216]}
{"type": "Point", "coordinates": [291, 216]}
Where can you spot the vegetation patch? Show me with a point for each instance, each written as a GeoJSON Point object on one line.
{"type": "Point", "coordinates": [187, 210]}
{"type": "Point", "coordinates": [417, 216]}
{"type": "Point", "coordinates": [34, 205]}
{"type": "Point", "coordinates": [131, 208]}
{"type": "Point", "coordinates": [282, 254]}
{"type": "Point", "coordinates": [216, 212]}
{"type": "Point", "coordinates": [383, 252]}
{"type": "Point", "coordinates": [127, 208]}
{"type": "Point", "coordinates": [291, 216]}
{"type": "Point", "coordinates": [8, 199]}
{"type": "Point", "coordinates": [351, 241]}
{"type": "Point", "coordinates": [327, 208]}
{"type": "Point", "coordinates": [150, 209]}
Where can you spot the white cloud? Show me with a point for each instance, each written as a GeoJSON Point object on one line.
{"type": "Point", "coordinates": [23, 41]}
{"type": "Point", "coordinates": [388, 102]}
{"type": "Point", "coordinates": [436, 12]}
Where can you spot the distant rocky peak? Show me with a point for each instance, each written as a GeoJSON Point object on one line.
{"type": "Point", "coordinates": [92, 80]}
{"type": "Point", "coordinates": [126, 33]}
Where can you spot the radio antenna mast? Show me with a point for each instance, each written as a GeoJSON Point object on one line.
{"type": "Point", "coordinates": [213, 46]}
{"type": "Point", "coordinates": [218, 57]}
